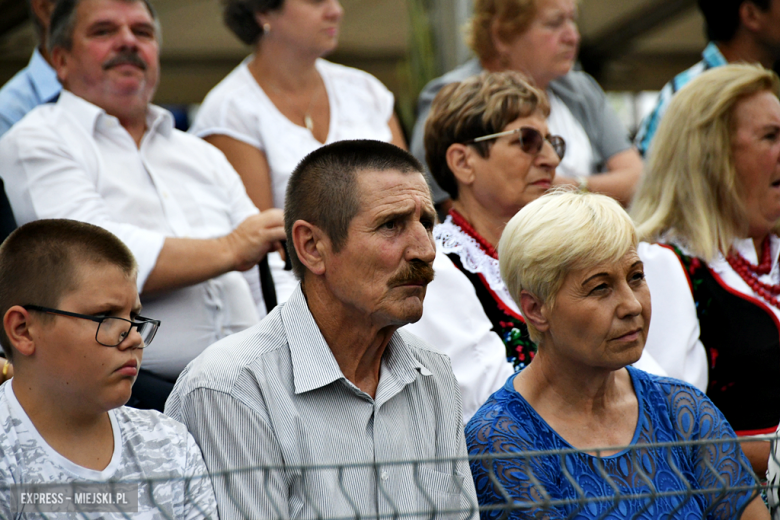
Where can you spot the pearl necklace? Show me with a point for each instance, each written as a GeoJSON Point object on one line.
{"type": "Point", "coordinates": [750, 273]}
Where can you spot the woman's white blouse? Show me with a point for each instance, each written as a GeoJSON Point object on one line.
{"type": "Point", "coordinates": [360, 108]}
{"type": "Point", "coordinates": [673, 339]}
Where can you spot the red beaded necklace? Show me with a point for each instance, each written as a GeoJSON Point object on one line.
{"type": "Point", "coordinates": [460, 221]}
{"type": "Point", "coordinates": [750, 273]}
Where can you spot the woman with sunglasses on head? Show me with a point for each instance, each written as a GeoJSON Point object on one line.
{"type": "Point", "coordinates": [540, 38]}
{"type": "Point", "coordinates": [488, 145]}
{"type": "Point", "coordinates": [284, 101]}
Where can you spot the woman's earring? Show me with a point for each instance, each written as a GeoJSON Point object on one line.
{"type": "Point", "coordinates": [266, 28]}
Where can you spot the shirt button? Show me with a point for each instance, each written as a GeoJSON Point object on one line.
{"type": "Point", "coordinates": [385, 476]}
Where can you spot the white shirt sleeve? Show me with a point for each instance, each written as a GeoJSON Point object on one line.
{"type": "Point", "coordinates": [45, 180]}
{"type": "Point", "coordinates": [241, 206]}
{"type": "Point", "coordinates": [673, 340]}
{"type": "Point", "coordinates": [455, 323]}
{"type": "Point", "coordinates": [376, 94]}
{"type": "Point", "coordinates": [233, 108]}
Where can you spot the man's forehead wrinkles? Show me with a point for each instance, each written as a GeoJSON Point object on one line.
{"type": "Point", "coordinates": [405, 206]}
{"type": "Point", "coordinates": [381, 197]}
{"type": "Point", "coordinates": [401, 189]}
{"type": "Point", "coordinates": [405, 201]}
{"type": "Point", "coordinates": [388, 200]}
{"type": "Point", "coordinates": [396, 202]}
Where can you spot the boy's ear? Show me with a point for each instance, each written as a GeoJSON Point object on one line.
{"type": "Point", "coordinates": [16, 323]}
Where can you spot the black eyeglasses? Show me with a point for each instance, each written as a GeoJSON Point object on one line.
{"type": "Point", "coordinates": [531, 140]}
{"type": "Point", "coordinates": [111, 331]}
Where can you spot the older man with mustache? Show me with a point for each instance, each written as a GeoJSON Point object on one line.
{"type": "Point", "coordinates": [328, 378]}
{"type": "Point", "coordinates": [104, 155]}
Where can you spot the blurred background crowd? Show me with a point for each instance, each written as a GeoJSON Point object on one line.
{"type": "Point", "coordinates": [631, 48]}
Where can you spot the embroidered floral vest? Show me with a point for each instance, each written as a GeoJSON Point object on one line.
{"type": "Point", "coordinates": [742, 338]}
{"type": "Point", "coordinates": [477, 259]}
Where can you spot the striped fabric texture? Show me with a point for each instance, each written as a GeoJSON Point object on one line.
{"type": "Point", "coordinates": [265, 402]}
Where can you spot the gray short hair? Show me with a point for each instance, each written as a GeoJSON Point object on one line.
{"type": "Point", "coordinates": [63, 22]}
{"type": "Point", "coordinates": [558, 232]}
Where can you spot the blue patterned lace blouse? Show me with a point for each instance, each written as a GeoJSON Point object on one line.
{"type": "Point", "coordinates": [670, 411]}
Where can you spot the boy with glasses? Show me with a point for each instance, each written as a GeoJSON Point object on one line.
{"type": "Point", "coordinates": [71, 327]}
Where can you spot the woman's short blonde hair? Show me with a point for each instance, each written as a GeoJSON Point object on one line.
{"type": "Point", "coordinates": [475, 107]}
{"type": "Point", "coordinates": [561, 231]}
{"type": "Point", "coordinates": [510, 18]}
{"type": "Point", "coordinates": [690, 193]}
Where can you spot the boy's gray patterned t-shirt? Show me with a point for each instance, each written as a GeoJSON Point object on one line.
{"type": "Point", "coordinates": [149, 448]}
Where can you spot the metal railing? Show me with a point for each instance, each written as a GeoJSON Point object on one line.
{"type": "Point", "coordinates": [385, 504]}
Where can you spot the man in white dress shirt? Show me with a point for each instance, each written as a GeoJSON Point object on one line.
{"type": "Point", "coordinates": [103, 154]}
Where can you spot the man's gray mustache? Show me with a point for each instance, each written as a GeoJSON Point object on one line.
{"type": "Point", "coordinates": [125, 59]}
{"type": "Point", "coordinates": [416, 271]}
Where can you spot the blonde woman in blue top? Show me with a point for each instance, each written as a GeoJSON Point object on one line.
{"type": "Point", "coordinates": [570, 261]}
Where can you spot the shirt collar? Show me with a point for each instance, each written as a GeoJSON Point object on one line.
{"type": "Point", "coordinates": [401, 361]}
{"type": "Point", "coordinates": [88, 115]}
{"type": "Point", "coordinates": [159, 120]}
{"type": "Point", "coordinates": [400, 367]}
{"type": "Point", "coordinates": [43, 77]}
{"type": "Point", "coordinates": [746, 247]}
{"type": "Point", "coordinates": [84, 112]}
{"type": "Point", "coordinates": [712, 56]}
{"type": "Point", "coordinates": [314, 365]}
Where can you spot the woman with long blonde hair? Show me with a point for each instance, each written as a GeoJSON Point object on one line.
{"type": "Point", "coordinates": [711, 200]}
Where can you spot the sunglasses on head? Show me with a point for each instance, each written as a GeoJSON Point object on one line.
{"type": "Point", "coordinates": [531, 140]}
